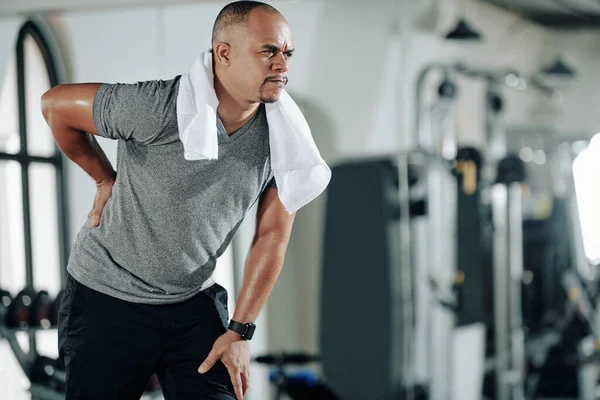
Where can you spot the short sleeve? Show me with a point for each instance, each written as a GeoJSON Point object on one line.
{"type": "Point", "coordinates": [132, 111]}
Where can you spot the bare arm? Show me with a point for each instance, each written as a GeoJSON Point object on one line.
{"type": "Point", "coordinates": [67, 109]}
{"type": "Point", "coordinates": [263, 265]}
{"type": "Point", "coordinates": [265, 260]}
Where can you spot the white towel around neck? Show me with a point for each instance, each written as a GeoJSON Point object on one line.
{"type": "Point", "coordinates": [300, 173]}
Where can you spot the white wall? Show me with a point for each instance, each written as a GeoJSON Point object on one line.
{"type": "Point", "coordinates": [9, 27]}
{"type": "Point", "coordinates": [353, 74]}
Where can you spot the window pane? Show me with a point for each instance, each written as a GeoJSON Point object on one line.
{"type": "Point", "coordinates": [12, 242]}
{"type": "Point", "coordinates": [10, 141]}
{"type": "Point", "coordinates": [44, 227]}
{"type": "Point", "coordinates": [39, 137]}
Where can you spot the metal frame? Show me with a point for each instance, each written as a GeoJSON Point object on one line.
{"type": "Point", "coordinates": [32, 30]}
{"type": "Point", "coordinates": [507, 249]}
{"type": "Point", "coordinates": [436, 320]}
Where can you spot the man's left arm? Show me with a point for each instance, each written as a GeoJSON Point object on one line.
{"type": "Point", "coordinates": [263, 265]}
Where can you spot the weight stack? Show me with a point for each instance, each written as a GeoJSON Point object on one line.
{"type": "Point", "coordinates": [361, 307]}
{"type": "Point", "coordinates": [471, 249]}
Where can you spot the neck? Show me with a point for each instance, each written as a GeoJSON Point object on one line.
{"type": "Point", "coordinates": [232, 111]}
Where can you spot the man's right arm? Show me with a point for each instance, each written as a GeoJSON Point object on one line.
{"type": "Point", "coordinates": [68, 110]}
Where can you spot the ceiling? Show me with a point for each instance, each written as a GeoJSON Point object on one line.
{"type": "Point", "coordinates": [568, 14]}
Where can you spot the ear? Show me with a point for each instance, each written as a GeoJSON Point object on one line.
{"type": "Point", "coordinates": [221, 53]}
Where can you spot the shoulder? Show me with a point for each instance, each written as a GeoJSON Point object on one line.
{"type": "Point", "coordinates": [152, 90]}
{"type": "Point", "coordinates": [143, 111]}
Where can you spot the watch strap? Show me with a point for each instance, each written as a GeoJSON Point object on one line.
{"type": "Point", "coordinates": [246, 331]}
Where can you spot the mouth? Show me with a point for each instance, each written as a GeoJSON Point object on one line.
{"type": "Point", "coordinates": [281, 82]}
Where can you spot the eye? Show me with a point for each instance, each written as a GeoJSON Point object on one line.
{"type": "Point", "coordinates": [288, 54]}
{"type": "Point", "coordinates": [271, 52]}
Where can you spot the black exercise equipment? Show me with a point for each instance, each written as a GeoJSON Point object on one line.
{"type": "Point", "coordinates": [5, 302]}
{"type": "Point", "coordinates": [30, 310]}
{"type": "Point", "coordinates": [298, 385]}
{"type": "Point", "coordinates": [358, 317]}
{"type": "Point", "coordinates": [41, 310]}
{"type": "Point", "coordinates": [471, 246]}
{"type": "Point", "coordinates": [281, 359]}
{"type": "Point", "coordinates": [21, 309]}
{"type": "Point", "coordinates": [306, 386]}
{"type": "Point", "coordinates": [547, 257]}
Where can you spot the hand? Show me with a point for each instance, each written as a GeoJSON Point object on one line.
{"type": "Point", "coordinates": [233, 351]}
{"type": "Point", "coordinates": [103, 192]}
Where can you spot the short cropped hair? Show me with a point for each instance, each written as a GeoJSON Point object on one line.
{"type": "Point", "coordinates": [237, 13]}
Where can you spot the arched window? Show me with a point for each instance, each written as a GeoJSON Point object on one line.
{"type": "Point", "coordinates": [33, 239]}
{"type": "Point", "coordinates": [33, 235]}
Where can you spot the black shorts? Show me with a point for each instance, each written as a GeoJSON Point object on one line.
{"type": "Point", "coordinates": [110, 348]}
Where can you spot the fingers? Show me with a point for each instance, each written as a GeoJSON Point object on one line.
{"type": "Point", "coordinates": [96, 214]}
{"type": "Point", "coordinates": [236, 359]}
{"type": "Point", "coordinates": [211, 359]}
{"type": "Point", "coordinates": [95, 219]}
{"type": "Point", "coordinates": [240, 377]}
{"type": "Point", "coordinates": [102, 195]}
{"type": "Point", "coordinates": [245, 380]}
{"type": "Point", "coordinates": [236, 380]}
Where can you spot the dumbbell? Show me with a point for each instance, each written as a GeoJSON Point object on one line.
{"type": "Point", "coordinates": [30, 309]}
{"type": "Point", "coordinates": [41, 310]}
{"type": "Point", "coordinates": [20, 310]}
{"type": "Point", "coordinates": [282, 359]}
{"type": "Point", "coordinates": [5, 301]}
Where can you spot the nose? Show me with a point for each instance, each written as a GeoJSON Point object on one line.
{"type": "Point", "coordinates": [281, 63]}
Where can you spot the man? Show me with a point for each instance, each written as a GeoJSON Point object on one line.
{"type": "Point", "coordinates": [139, 299]}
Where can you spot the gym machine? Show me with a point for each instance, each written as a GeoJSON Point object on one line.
{"type": "Point", "coordinates": [435, 243]}
{"type": "Point", "coordinates": [403, 201]}
{"type": "Point", "coordinates": [579, 335]}
{"type": "Point", "coordinates": [491, 182]}
{"type": "Point", "coordinates": [559, 285]}
{"type": "Point", "coordinates": [409, 273]}
{"type": "Point", "coordinates": [362, 280]}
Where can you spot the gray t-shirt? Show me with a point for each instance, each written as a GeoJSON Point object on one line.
{"type": "Point", "coordinates": [168, 219]}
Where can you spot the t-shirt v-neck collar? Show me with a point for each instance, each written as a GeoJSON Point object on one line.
{"type": "Point", "coordinates": [230, 138]}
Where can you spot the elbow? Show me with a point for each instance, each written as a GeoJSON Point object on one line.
{"type": "Point", "coordinates": [47, 103]}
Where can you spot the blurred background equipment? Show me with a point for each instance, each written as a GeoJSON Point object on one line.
{"type": "Point", "coordinates": [297, 384]}
{"type": "Point", "coordinates": [459, 239]}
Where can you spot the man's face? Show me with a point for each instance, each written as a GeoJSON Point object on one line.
{"type": "Point", "coordinates": [261, 56]}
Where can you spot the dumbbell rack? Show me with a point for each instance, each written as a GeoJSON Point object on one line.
{"type": "Point", "coordinates": [27, 362]}
{"type": "Point", "coordinates": [37, 368]}
{"type": "Point", "coordinates": [47, 380]}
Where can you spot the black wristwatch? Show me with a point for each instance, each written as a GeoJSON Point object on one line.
{"type": "Point", "coordinates": [246, 331]}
